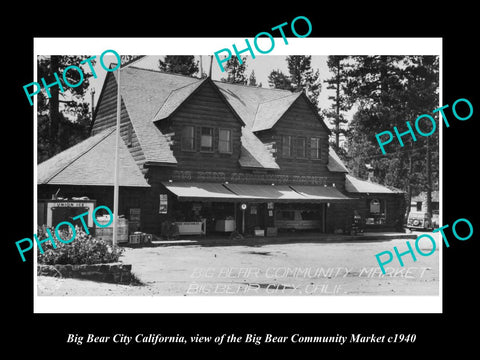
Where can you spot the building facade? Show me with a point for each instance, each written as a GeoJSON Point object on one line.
{"type": "Point", "coordinates": [214, 157]}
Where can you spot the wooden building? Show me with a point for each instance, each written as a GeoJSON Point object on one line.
{"type": "Point", "coordinates": [213, 156]}
{"type": "Point", "coordinates": [419, 202]}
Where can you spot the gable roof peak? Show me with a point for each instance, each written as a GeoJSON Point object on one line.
{"type": "Point", "coordinates": [158, 71]}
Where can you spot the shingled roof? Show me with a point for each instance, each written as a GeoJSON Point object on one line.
{"type": "Point", "coordinates": [354, 185]}
{"type": "Point", "coordinates": [254, 154]}
{"type": "Point", "coordinates": [144, 92]}
{"type": "Point", "coordinates": [91, 162]}
{"type": "Point", "coordinates": [245, 100]}
{"type": "Point", "coordinates": [269, 112]}
{"type": "Point", "coordinates": [334, 162]}
{"type": "Point", "coordinates": [175, 99]}
{"type": "Point", "coordinates": [151, 96]}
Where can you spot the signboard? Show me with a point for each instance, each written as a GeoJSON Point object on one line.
{"type": "Point", "coordinates": [71, 204]}
{"type": "Point", "coordinates": [163, 204]}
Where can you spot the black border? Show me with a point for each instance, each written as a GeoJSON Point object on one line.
{"type": "Point", "coordinates": [435, 332]}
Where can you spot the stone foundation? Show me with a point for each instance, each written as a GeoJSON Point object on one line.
{"type": "Point", "coordinates": [113, 272]}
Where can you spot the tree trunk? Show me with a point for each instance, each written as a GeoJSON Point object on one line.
{"type": "Point", "coordinates": [53, 106]}
{"type": "Point", "coordinates": [429, 182]}
{"type": "Point", "coordinates": [410, 187]}
{"type": "Point", "coordinates": [337, 133]}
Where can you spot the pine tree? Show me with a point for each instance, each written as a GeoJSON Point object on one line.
{"type": "Point", "coordinates": [64, 118]}
{"type": "Point", "coordinates": [390, 90]}
{"type": "Point", "coordinates": [340, 103]}
{"type": "Point", "coordinates": [179, 64]}
{"type": "Point", "coordinates": [252, 80]}
{"type": "Point", "coordinates": [375, 85]}
{"type": "Point", "coordinates": [278, 80]}
{"type": "Point", "coordinates": [422, 77]}
{"type": "Point", "coordinates": [235, 71]}
{"type": "Point", "coordinates": [303, 77]}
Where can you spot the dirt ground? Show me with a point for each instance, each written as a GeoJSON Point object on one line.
{"type": "Point", "coordinates": [303, 269]}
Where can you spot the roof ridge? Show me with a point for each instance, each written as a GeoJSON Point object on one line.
{"type": "Point", "coordinates": [281, 98]}
{"type": "Point", "coordinates": [107, 131]}
{"type": "Point", "coordinates": [198, 83]}
{"type": "Point", "coordinates": [295, 96]}
{"type": "Point", "coordinates": [251, 86]}
{"type": "Point", "coordinates": [163, 72]}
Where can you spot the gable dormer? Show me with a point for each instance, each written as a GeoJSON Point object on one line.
{"type": "Point", "coordinates": [292, 126]}
{"type": "Point", "coordinates": [205, 130]}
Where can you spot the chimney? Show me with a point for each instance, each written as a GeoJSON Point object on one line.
{"type": "Point", "coordinates": [370, 172]}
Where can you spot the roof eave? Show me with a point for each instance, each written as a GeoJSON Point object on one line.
{"type": "Point", "coordinates": [159, 163]}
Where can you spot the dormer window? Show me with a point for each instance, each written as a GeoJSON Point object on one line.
{"type": "Point", "coordinates": [224, 141]}
{"type": "Point", "coordinates": [188, 138]}
{"type": "Point", "coordinates": [206, 139]}
{"type": "Point", "coordinates": [300, 147]}
{"type": "Point", "coordinates": [315, 148]}
{"type": "Point", "coordinates": [286, 146]}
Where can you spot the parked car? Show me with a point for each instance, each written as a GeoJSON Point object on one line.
{"type": "Point", "coordinates": [418, 220]}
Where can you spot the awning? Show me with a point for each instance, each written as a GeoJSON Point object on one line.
{"type": "Point", "coordinates": [321, 193]}
{"type": "Point", "coordinates": [191, 191]}
{"type": "Point", "coordinates": [197, 191]}
{"type": "Point", "coordinates": [265, 192]}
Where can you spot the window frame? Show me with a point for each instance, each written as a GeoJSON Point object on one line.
{"type": "Point", "coordinates": [290, 155]}
{"type": "Point", "coordinates": [211, 150]}
{"type": "Point", "coordinates": [318, 148]}
{"type": "Point", "coordinates": [297, 138]}
{"type": "Point", "coordinates": [230, 142]}
{"type": "Point", "coordinates": [194, 148]}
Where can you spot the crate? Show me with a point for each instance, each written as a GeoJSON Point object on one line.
{"type": "Point", "coordinates": [259, 232]}
{"type": "Point", "coordinates": [106, 233]}
{"type": "Point", "coordinates": [135, 239]}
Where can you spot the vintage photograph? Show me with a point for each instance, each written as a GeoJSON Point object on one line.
{"type": "Point", "coordinates": [165, 176]}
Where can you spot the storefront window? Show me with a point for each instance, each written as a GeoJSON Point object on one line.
{"type": "Point", "coordinates": [188, 138]}
{"type": "Point", "coordinates": [206, 141]}
{"type": "Point", "coordinates": [224, 141]}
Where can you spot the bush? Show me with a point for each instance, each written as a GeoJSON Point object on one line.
{"type": "Point", "coordinates": [84, 249]}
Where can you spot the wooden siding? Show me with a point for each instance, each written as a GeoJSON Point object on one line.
{"type": "Point", "coordinates": [300, 121]}
{"type": "Point", "coordinates": [395, 207]}
{"type": "Point", "coordinates": [106, 117]}
{"type": "Point", "coordinates": [204, 108]}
